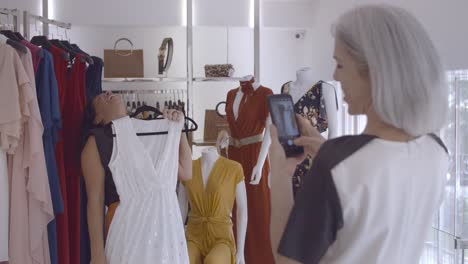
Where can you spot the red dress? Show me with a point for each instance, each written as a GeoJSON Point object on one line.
{"type": "Point", "coordinates": [75, 100]}
{"type": "Point", "coordinates": [60, 68]}
{"type": "Point", "coordinates": [251, 122]}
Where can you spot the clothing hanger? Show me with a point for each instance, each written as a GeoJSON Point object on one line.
{"type": "Point", "coordinates": [85, 58]}
{"type": "Point", "coordinates": [18, 35]}
{"type": "Point", "coordinates": [146, 108]}
{"type": "Point", "coordinates": [10, 34]}
{"type": "Point", "coordinates": [186, 130]}
{"type": "Point", "coordinates": [16, 45]}
{"type": "Point", "coordinates": [42, 41]}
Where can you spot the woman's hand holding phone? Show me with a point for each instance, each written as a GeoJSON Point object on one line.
{"type": "Point", "coordinates": [310, 140]}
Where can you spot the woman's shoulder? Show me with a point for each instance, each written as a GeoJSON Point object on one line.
{"type": "Point", "coordinates": [336, 150]}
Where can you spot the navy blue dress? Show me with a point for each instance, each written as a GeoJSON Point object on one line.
{"type": "Point", "coordinates": [47, 96]}
{"type": "Point", "coordinates": [93, 88]}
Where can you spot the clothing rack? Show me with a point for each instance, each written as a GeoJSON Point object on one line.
{"type": "Point", "coordinates": [46, 22]}
{"type": "Point", "coordinates": [13, 13]}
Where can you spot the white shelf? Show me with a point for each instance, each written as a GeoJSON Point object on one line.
{"type": "Point", "coordinates": [143, 80]}
{"type": "Point", "coordinates": [144, 84]}
{"type": "Point", "coordinates": [217, 79]}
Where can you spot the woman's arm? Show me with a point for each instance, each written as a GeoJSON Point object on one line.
{"type": "Point", "coordinates": [282, 169]}
{"type": "Point", "coordinates": [185, 154]}
{"type": "Point", "coordinates": [183, 202]}
{"type": "Point", "coordinates": [185, 159]}
{"type": "Point", "coordinates": [94, 176]}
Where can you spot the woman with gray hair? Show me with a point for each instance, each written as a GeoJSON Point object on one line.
{"type": "Point", "coordinates": [369, 198]}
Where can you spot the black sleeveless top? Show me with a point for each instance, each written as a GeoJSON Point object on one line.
{"type": "Point", "coordinates": [104, 144]}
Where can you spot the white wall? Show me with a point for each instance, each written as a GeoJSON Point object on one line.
{"type": "Point", "coordinates": [221, 13]}
{"type": "Point", "coordinates": [33, 6]}
{"type": "Point", "coordinates": [281, 54]}
{"type": "Point", "coordinates": [118, 12]}
{"type": "Point", "coordinates": [287, 14]}
{"type": "Point", "coordinates": [444, 20]}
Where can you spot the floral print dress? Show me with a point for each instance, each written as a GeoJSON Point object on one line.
{"type": "Point", "coordinates": [312, 106]}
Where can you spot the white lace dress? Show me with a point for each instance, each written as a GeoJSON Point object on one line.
{"type": "Point", "coordinates": [147, 226]}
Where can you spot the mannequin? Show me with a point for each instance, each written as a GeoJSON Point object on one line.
{"type": "Point", "coordinates": [246, 80]}
{"type": "Point", "coordinates": [247, 115]}
{"type": "Point", "coordinates": [305, 80]}
{"type": "Point", "coordinates": [210, 158]}
{"type": "Point", "coordinates": [257, 170]}
{"type": "Point", "coordinates": [317, 101]}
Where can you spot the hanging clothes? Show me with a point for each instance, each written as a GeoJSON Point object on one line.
{"type": "Point", "coordinates": [31, 206]}
{"type": "Point", "coordinates": [75, 98]}
{"type": "Point", "coordinates": [4, 206]}
{"type": "Point", "coordinates": [36, 52]}
{"type": "Point", "coordinates": [253, 113]}
{"type": "Point", "coordinates": [214, 203]}
{"type": "Point", "coordinates": [311, 106]}
{"type": "Point", "coordinates": [94, 78]}
{"type": "Point", "coordinates": [93, 88]}
{"type": "Point", "coordinates": [60, 69]}
{"type": "Point", "coordinates": [147, 227]}
{"type": "Point", "coordinates": [47, 94]}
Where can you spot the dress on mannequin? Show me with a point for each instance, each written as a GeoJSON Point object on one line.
{"type": "Point", "coordinates": [212, 192]}
{"type": "Point", "coordinates": [147, 227]}
{"type": "Point", "coordinates": [310, 103]}
{"type": "Point", "coordinates": [311, 107]}
{"type": "Point", "coordinates": [249, 124]}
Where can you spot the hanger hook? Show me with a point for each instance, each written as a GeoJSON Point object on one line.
{"type": "Point", "coordinates": [2, 25]}
{"type": "Point", "coordinates": [66, 35]}
{"type": "Point", "coordinates": [8, 21]}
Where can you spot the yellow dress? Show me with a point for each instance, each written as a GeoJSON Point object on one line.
{"type": "Point", "coordinates": [209, 234]}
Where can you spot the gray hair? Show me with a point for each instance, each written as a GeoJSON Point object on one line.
{"type": "Point", "coordinates": [409, 88]}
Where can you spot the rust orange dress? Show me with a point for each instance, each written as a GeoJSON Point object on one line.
{"type": "Point", "coordinates": [253, 113]}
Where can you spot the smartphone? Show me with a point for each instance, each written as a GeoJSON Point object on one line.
{"type": "Point", "coordinates": [284, 118]}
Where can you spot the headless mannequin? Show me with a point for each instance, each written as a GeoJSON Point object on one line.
{"type": "Point", "coordinates": [305, 81]}
{"type": "Point", "coordinates": [209, 157]}
{"type": "Point", "coordinates": [257, 170]}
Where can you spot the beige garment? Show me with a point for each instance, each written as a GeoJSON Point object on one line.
{"type": "Point", "coordinates": [4, 206]}
{"type": "Point", "coordinates": [10, 118]}
{"type": "Point", "coordinates": [31, 205]}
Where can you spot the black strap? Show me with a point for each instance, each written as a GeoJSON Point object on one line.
{"type": "Point", "coordinates": [168, 44]}
{"type": "Point", "coordinates": [439, 141]}
{"type": "Point", "coordinates": [217, 109]}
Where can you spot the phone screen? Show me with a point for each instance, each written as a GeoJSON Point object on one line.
{"type": "Point", "coordinates": [284, 117]}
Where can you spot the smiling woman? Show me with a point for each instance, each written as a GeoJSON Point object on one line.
{"type": "Point", "coordinates": [362, 201]}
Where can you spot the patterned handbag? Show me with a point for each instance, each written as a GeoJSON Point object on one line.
{"type": "Point", "coordinates": [219, 70]}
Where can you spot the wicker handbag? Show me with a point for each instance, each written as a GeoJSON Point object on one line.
{"type": "Point", "coordinates": [219, 70]}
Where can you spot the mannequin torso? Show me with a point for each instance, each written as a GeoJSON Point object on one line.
{"type": "Point", "coordinates": [209, 157]}
{"type": "Point", "coordinates": [240, 94]}
{"type": "Point", "coordinates": [224, 172]}
{"type": "Point", "coordinates": [305, 80]}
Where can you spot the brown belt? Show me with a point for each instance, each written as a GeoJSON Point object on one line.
{"type": "Point", "coordinates": [245, 141]}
